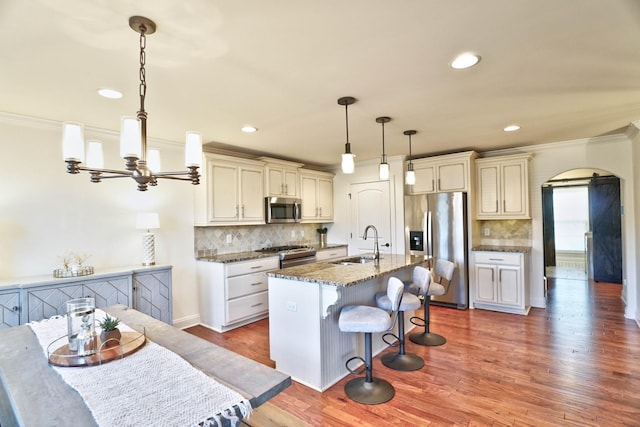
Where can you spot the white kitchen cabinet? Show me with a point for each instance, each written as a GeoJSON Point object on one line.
{"type": "Point", "coordinates": [501, 281]}
{"type": "Point", "coordinates": [316, 191]}
{"type": "Point", "coordinates": [234, 294]}
{"type": "Point", "coordinates": [9, 307]}
{"type": "Point", "coordinates": [281, 178]}
{"type": "Point", "coordinates": [503, 187]}
{"type": "Point", "coordinates": [233, 192]}
{"type": "Point", "coordinates": [442, 174]}
{"type": "Point", "coordinates": [326, 254]}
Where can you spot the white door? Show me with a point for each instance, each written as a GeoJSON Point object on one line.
{"type": "Point", "coordinates": [369, 204]}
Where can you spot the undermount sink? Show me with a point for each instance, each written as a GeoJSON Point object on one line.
{"type": "Point", "coordinates": [353, 260]}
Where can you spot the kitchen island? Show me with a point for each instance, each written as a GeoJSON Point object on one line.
{"type": "Point", "coordinates": [304, 306]}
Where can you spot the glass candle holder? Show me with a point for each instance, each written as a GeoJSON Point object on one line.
{"type": "Point", "coordinates": [81, 326]}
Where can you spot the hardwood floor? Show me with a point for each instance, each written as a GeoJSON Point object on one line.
{"type": "Point", "coordinates": [575, 363]}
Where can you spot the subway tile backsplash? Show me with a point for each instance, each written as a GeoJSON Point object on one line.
{"type": "Point", "coordinates": [229, 239]}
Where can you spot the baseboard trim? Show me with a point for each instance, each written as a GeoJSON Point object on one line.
{"type": "Point", "coordinates": [186, 322]}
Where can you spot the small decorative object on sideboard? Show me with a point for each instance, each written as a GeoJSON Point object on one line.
{"type": "Point", "coordinates": [72, 266]}
{"type": "Point", "coordinates": [110, 334]}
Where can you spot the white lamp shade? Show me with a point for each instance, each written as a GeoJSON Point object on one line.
{"type": "Point", "coordinates": [73, 141]}
{"type": "Point", "coordinates": [153, 161]}
{"type": "Point", "coordinates": [130, 139]}
{"type": "Point", "coordinates": [193, 149]}
{"type": "Point", "coordinates": [95, 159]}
{"type": "Point", "coordinates": [147, 221]}
{"type": "Point", "coordinates": [384, 171]}
{"type": "Point", "coordinates": [411, 177]}
{"type": "Point", "coordinates": [348, 164]}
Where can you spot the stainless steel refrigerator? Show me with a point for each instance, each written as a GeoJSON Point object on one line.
{"type": "Point", "coordinates": [436, 227]}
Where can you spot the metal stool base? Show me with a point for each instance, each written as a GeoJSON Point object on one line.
{"type": "Point", "coordinates": [369, 393]}
{"type": "Point", "coordinates": [427, 338]}
{"type": "Point", "coordinates": [402, 362]}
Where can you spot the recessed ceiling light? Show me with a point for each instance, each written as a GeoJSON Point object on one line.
{"type": "Point", "coordinates": [465, 60]}
{"type": "Point", "coordinates": [110, 93]}
{"type": "Point", "coordinates": [511, 128]}
{"type": "Point", "coordinates": [249, 129]}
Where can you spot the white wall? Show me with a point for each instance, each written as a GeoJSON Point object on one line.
{"type": "Point", "coordinates": [46, 212]}
{"type": "Point", "coordinates": [633, 132]}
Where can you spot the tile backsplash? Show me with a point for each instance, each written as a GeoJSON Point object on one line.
{"type": "Point", "coordinates": [228, 239]}
{"type": "Point", "coordinates": [510, 232]}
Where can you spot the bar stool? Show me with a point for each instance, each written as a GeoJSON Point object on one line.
{"type": "Point", "coordinates": [443, 270]}
{"type": "Point", "coordinates": [402, 361]}
{"type": "Point", "coordinates": [367, 319]}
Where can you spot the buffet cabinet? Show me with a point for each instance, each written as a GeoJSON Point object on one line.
{"type": "Point", "coordinates": [147, 289]}
{"type": "Point", "coordinates": [503, 187]}
{"type": "Point", "coordinates": [234, 294]}
{"type": "Point", "coordinates": [442, 174]}
{"type": "Point", "coordinates": [501, 281]}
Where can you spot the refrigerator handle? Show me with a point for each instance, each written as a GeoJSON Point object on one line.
{"type": "Point", "coordinates": [429, 240]}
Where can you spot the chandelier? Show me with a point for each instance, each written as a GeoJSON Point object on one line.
{"type": "Point", "coordinates": [133, 139]}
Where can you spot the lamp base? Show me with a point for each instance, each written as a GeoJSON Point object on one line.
{"type": "Point", "coordinates": [148, 249]}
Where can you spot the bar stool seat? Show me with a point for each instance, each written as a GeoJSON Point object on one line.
{"type": "Point", "coordinates": [400, 361]}
{"type": "Point", "coordinates": [368, 320]}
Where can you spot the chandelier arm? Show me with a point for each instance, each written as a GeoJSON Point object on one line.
{"type": "Point", "coordinates": [119, 173]}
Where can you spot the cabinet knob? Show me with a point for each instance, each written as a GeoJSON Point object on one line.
{"type": "Point", "coordinates": [15, 309]}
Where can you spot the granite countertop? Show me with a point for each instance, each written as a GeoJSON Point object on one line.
{"type": "Point", "coordinates": [495, 248]}
{"type": "Point", "coordinates": [333, 273]}
{"type": "Point", "coordinates": [249, 255]}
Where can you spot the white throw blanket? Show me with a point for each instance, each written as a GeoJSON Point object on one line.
{"type": "Point", "coordinates": [153, 386]}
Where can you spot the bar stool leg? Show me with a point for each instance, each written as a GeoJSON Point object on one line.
{"type": "Point", "coordinates": [402, 361]}
{"type": "Point", "coordinates": [427, 338]}
{"type": "Point", "coordinates": [367, 389]}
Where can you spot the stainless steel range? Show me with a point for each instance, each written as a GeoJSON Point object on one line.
{"type": "Point", "coordinates": [291, 255]}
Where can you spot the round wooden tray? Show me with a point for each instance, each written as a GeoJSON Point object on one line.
{"type": "Point", "coordinates": [130, 342]}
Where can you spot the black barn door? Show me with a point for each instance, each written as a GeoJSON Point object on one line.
{"type": "Point", "coordinates": [548, 229]}
{"type": "Point", "coordinates": [605, 221]}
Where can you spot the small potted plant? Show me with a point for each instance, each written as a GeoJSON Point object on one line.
{"type": "Point", "coordinates": [110, 331]}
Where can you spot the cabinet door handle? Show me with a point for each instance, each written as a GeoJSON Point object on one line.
{"type": "Point", "coordinates": [257, 305]}
{"type": "Point", "coordinates": [15, 309]}
{"type": "Point", "coordinates": [496, 259]}
{"type": "Point", "coordinates": [439, 184]}
{"type": "Point", "coordinates": [256, 266]}
{"type": "Point", "coordinates": [256, 284]}
{"type": "Point", "coordinates": [242, 211]}
{"type": "Point", "coordinates": [237, 211]}
{"type": "Point", "coordinates": [496, 206]}
{"type": "Point", "coordinates": [504, 206]}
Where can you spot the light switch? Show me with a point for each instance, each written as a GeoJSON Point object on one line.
{"type": "Point", "coordinates": [487, 232]}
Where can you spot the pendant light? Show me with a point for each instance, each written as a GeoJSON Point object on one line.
{"type": "Point", "coordinates": [384, 166]}
{"type": "Point", "coordinates": [348, 164]}
{"type": "Point", "coordinates": [411, 175]}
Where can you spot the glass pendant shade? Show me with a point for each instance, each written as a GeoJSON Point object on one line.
{"type": "Point", "coordinates": [73, 141]}
{"type": "Point", "coordinates": [95, 159]}
{"type": "Point", "coordinates": [130, 139]}
{"type": "Point", "coordinates": [193, 149]}
{"type": "Point", "coordinates": [384, 171]}
{"type": "Point", "coordinates": [348, 163]}
{"type": "Point", "coordinates": [411, 177]}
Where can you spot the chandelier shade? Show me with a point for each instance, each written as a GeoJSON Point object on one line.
{"type": "Point", "coordinates": [133, 139]}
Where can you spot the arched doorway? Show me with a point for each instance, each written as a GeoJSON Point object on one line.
{"type": "Point", "coordinates": [582, 226]}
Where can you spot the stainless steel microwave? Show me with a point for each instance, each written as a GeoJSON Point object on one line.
{"type": "Point", "coordinates": [279, 210]}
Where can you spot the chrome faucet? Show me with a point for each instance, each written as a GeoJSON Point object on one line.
{"type": "Point", "coordinates": [376, 249]}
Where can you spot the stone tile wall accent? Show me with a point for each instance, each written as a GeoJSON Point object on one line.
{"type": "Point", "coordinates": [510, 232]}
{"type": "Point", "coordinates": [213, 240]}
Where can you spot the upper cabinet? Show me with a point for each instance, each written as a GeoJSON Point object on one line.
{"type": "Point", "coordinates": [316, 192]}
{"type": "Point", "coordinates": [442, 174]}
{"type": "Point", "coordinates": [233, 191]}
{"type": "Point", "coordinates": [503, 187]}
{"type": "Point", "coordinates": [281, 178]}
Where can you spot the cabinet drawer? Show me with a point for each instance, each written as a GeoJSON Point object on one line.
{"type": "Point", "coordinates": [498, 258]}
{"type": "Point", "coordinates": [247, 306]}
{"type": "Point", "coordinates": [246, 285]}
{"type": "Point", "coordinates": [253, 266]}
{"type": "Point", "coordinates": [331, 253]}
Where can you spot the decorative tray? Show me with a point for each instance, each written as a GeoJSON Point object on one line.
{"type": "Point", "coordinates": [129, 343]}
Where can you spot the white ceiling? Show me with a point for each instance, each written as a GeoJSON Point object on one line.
{"type": "Point", "coordinates": [562, 70]}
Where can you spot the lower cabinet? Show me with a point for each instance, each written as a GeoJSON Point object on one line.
{"type": "Point", "coordinates": [145, 289]}
{"type": "Point", "coordinates": [9, 307]}
{"type": "Point", "coordinates": [501, 281]}
{"type": "Point", "coordinates": [234, 294]}
{"type": "Point", "coordinates": [326, 254]}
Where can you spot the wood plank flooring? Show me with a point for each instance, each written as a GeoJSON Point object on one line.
{"type": "Point", "coordinates": [575, 363]}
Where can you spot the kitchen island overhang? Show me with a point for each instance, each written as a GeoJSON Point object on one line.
{"type": "Point", "coordinates": [304, 305]}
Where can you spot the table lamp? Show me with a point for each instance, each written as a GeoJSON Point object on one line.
{"type": "Point", "coordinates": [148, 221]}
